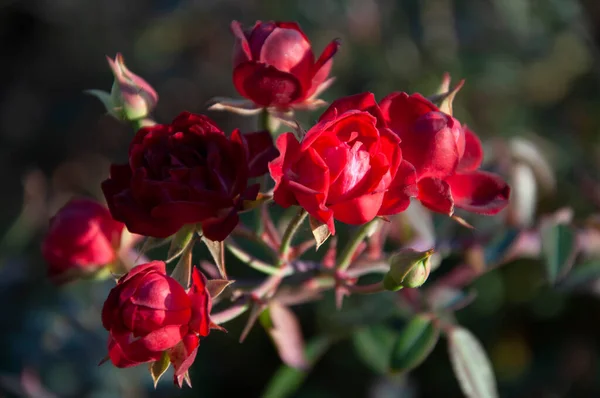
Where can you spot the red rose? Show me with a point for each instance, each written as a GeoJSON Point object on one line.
{"type": "Point", "coordinates": [149, 313]}
{"type": "Point", "coordinates": [186, 172]}
{"type": "Point", "coordinates": [82, 238]}
{"type": "Point", "coordinates": [274, 64]}
{"type": "Point", "coordinates": [446, 157]}
{"type": "Point", "coordinates": [348, 166]}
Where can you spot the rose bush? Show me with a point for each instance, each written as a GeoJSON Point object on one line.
{"type": "Point", "coordinates": [347, 167]}
{"type": "Point", "coordinates": [274, 65]}
{"type": "Point", "coordinates": [446, 157]}
{"type": "Point", "coordinates": [149, 314]}
{"type": "Point", "coordinates": [82, 238]}
{"type": "Point", "coordinates": [187, 172]}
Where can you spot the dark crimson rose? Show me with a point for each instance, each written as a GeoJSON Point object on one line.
{"type": "Point", "coordinates": [149, 313]}
{"type": "Point", "coordinates": [187, 172]}
{"type": "Point", "coordinates": [274, 65]}
{"type": "Point", "coordinates": [82, 238]}
{"type": "Point", "coordinates": [446, 156]}
{"type": "Point", "coordinates": [348, 166]}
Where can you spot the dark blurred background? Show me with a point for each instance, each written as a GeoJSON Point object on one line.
{"type": "Point", "coordinates": [532, 69]}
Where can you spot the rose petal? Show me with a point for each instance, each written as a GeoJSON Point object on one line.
{"type": "Point", "coordinates": [322, 67]}
{"type": "Point", "coordinates": [359, 102]}
{"type": "Point", "coordinates": [401, 110]}
{"type": "Point", "coordinates": [289, 152]}
{"type": "Point", "coordinates": [201, 304]}
{"type": "Point", "coordinates": [479, 192]}
{"type": "Point", "coordinates": [430, 146]}
{"type": "Point", "coordinates": [288, 51]}
{"type": "Point", "coordinates": [219, 228]}
{"type": "Point", "coordinates": [266, 85]}
{"type": "Point", "coordinates": [155, 341]}
{"type": "Point", "coordinates": [473, 155]}
{"type": "Point", "coordinates": [260, 152]}
{"type": "Point", "coordinates": [182, 356]}
{"type": "Point", "coordinates": [359, 210]}
{"type": "Point", "coordinates": [241, 51]}
{"type": "Point", "coordinates": [161, 292]}
{"type": "Point", "coordinates": [402, 188]}
{"type": "Point", "coordinates": [435, 194]}
{"type": "Point", "coordinates": [120, 360]}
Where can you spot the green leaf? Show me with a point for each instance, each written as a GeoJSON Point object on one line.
{"type": "Point", "coordinates": [150, 243]}
{"type": "Point", "coordinates": [581, 274]}
{"type": "Point", "coordinates": [496, 250]}
{"type": "Point", "coordinates": [558, 249]}
{"type": "Point", "coordinates": [471, 365]}
{"type": "Point", "coordinates": [181, 240]}
{"type": "Point", "coordinates": [255, 312]}
{"type": "Point", "coordinates": [216, 286]}
{"type": "Point", "coordinates": [182, 272]}
{"type": "Point", "coordinates": [415, 343]}
{"type": "Point", "coordinates": [287, 380]}
{"type": "Point", "coordinates": [158, 368]}
{"type": "Point", "coordinates": [373, 345]}
{"type": "Point", "coordinates": [217, 251]}
{"type": "Point", "coordinates": [285, 332]}
{"type": "Point", "coordinates": [448, 299]}
{"type": "Point", "coordinates": [319, 230]}
{"type": "Point", "coordinates": [107, 100]}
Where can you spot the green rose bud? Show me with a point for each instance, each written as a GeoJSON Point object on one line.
{"type": "Point", "coordinates": [408, 268]}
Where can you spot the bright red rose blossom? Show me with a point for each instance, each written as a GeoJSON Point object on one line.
{"type": "Point", "coordinates": [274, 65]}
{"type": "Point", "coordinates": [82, 238]}
{"type": "Point", "coordinates": [149, 313]}
{"type": "Point", "coordinates": [187, 172]}
{"type": "Point", "coordinates": [446, 157]}
{"type": "Point", "coordinates": [348, 166]}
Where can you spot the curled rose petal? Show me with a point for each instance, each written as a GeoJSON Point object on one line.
{"type": "Point", "coordinates": [479, 192]}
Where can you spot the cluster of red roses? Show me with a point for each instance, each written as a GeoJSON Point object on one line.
{"type": "Point", "coordinates": [362, 159]}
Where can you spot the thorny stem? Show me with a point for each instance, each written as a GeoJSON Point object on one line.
{"type": "Point", "coordinates": [252, 261]}
{"type": "Point", "coordinates": [268, 287]}
{"type": "Point", "coordinates": [288, 235]}
{"type": "Point", "coordinates": [346, 256]}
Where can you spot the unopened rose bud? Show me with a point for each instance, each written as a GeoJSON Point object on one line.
{"type": "Point", "coordinates": [131, 97]}
{"type": "Point", "coordinates": [408, 268]}
{"type": "Point", "coordinates": [82, 240]}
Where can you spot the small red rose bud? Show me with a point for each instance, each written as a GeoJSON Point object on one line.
{"type": "Point", "coordinates": [82, 239]}
{"type": "Point", "coordinates": [131, 97]}
{"type": "Point", "coordinates": [274, 65]}
{"type": "Point", "coordinates": [408, 268]}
